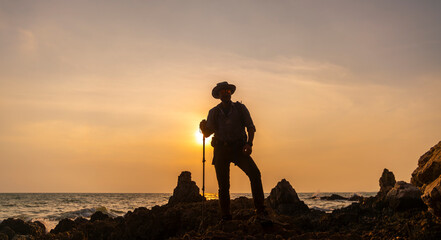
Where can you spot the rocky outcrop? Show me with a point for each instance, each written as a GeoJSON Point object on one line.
{"type": "Point", "coordinates": [387, 182]}
{"type": "Point", "coordinates": [333, 197]}
{"type": "Point", "coordinates": [404, 196]}
{"type": "Point", "coordinates": [283, 198]}
{"type": "Point", "coordinates": [429, 167]}
{"type": "Point", "coordinates": [184, 221]}
{"type": "Point", "coordinates": [427, 176]}
{"type": "Point", "coordinates": [396, 195]}
{"type": "Point", "coordinates": [186, 191]}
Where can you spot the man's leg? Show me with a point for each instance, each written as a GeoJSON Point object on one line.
{"type": "Point", "coordinates": [222, 167]}
{"type": "Point", "coordinates": [250, 168]}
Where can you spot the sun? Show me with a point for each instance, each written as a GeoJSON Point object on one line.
{"type": "Point", "coordinates": [198, 135]}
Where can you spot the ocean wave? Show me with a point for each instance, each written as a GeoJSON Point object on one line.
{"type": "Point", "coordinates": [71, 200]}
{"type": "Point", "coordinates": [119, 212]}
{"type": "Point", "coordinates": [9, 205]}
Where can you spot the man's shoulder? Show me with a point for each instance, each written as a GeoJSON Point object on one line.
{"type": "Point", "coordinates": [215, 109]}
{"type": "Point", "coordinates": [239, 105]}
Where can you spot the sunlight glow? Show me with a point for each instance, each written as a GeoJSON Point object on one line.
{"type": "Point", "coordinates": [198, 136]}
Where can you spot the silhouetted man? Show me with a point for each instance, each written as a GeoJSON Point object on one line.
{"type": "Point", "coordinates": [228, 121]}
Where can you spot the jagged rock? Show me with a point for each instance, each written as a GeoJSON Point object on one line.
{"type": "Point", "coordinates": [427, 177]}
{"type": "Point", "coordinates": [387, 182]}
{"type": "Point", "coordinates": [404, 196]}
{"type": "Point", "coordinates": [333, 197]}
{"type": "Point", "coordinates": [432, 197]}
{"type": "Point", "coordinates": [24, 228]}
{"type": "Point", "coordinates": [186, 190]}
{"type": "Point", "coordinates": [283, 198]}
{"type": "Point", "coordinates": [429, 167]}
{"type": "Point", "coordinates": [183, 222]}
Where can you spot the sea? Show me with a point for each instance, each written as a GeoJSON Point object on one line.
{"type": "Point", "coordinates": [50, 208]}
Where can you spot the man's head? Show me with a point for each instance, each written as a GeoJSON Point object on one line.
{"type": "Point", "coordinates": [223, 91]}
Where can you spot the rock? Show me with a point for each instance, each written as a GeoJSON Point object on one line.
{"type": "Point", "coordinates": [333, 197]}
{"type": "Point", "coordinates": [24, 228]}
{"type": "Point", "coordinates": [98, 216]}
{"type": "Point", "coordinates": [404, 196]}
{"type": "Point", "coordinates": [186, 190]}
{"type": "Point", "coordinates": [387, 182]}
{"type": "Point", "coordinates": [3, 236]}
{"type": "Point", "coordinates": [429, 167]}
{"type": "Point", "coordinates": [64, 225]}
{"type": "Point", "coordinates": [8, 232]}
{"type": "Point", "coordinates": [432, 197]}
{"type": "Point", "coordinates": [356, 197]}
{"type": "Point", "coordinates": [427, 177]}
{"type": "Point", "coordinates": [283, 198]}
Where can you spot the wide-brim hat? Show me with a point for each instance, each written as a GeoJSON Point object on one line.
{"type": "Point", "coordinates": [220, 86]}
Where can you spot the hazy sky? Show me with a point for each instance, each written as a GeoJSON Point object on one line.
{"type": "Point", "coordinates": [107, 96]}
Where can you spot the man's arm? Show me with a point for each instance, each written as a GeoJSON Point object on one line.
{"type": "Point", "coordinates": [250, 137]}
{"type": "Point", "coordinates": [204, 129]}
{"type": "Point", "coordinates": [207, 126]}
{"type": "Point", "coordinates": [248, 147]}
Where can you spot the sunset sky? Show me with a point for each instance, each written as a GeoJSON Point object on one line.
{"type": "Point", "coordinates": [107, 96]}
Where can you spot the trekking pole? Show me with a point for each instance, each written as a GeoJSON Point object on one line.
{"type": "Point", "coordinates": [203, 166]}
{"type": "Point", "coordinates": [203, 181]}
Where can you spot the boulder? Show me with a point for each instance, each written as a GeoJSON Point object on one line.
{"type": "Point", "coordinates": [427, 177]}
{"type": "Point", "coordinates": [24, 228]}
{"type": "Point", "coordinates": [186, 190]}
{"type": "Point", "coordinates": [404, 196]}
{"type": "Point", "coordinates": [64, 225]}
{"type": "Point", "coordinates": [98, 216]}
{"type": "Point", "coordinates": [283, 198]}
{"type": "Point", "coordinates": [387, 182]}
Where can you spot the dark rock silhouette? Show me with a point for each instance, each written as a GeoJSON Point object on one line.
{"type": "Point", "coordinates": [399, 196]}
{"type": "Point", "coordinates": [364, 220]}
{"type": "Point", "coordinates": [404, 196]}
{"type": "Point", "coordinates": [387, 182]}
{"type": "Point", "coordinates": [356, 198]}
{"type": "Point", "coordinates": [186, 191]}
{"type": "Point", "coordinates": [283, 198]}
{"type": "Point", "coordinates": [13, 227]}
{"type": "Point", "coordinates": [427, 176]}
{"type": "Point", "coordinates": [333, 197]}
{"type": "Point", "coordinates": [98, 216]}
{"type": "Point", "coordinates": [64, 225]}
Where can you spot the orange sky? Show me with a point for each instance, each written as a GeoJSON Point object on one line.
{"type": "Point", "coordinates": [107, 96]}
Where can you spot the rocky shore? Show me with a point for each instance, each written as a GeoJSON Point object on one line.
{"type": "Point", "coordinates": [400, 210]}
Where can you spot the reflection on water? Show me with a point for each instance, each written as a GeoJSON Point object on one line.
{"type": "Point", "coordinates": [211, 196]}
